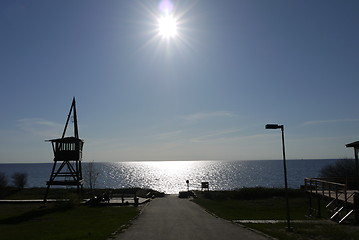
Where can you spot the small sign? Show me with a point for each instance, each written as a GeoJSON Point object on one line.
{"type": "Point", "coordinates": [205, 185]}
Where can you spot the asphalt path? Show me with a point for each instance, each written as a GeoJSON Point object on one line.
{"type": "Point", "coordinates": [172, 218]}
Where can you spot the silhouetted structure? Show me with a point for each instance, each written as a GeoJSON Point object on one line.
{"type": "Point", "coordinates": [355, 146]}
{"type": "Point", "coordinates": [205, 185]}
{"type": "Point", "coordinates": [67, 170]}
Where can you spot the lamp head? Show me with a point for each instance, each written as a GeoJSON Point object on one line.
{"type": "Point", "coordinates": [273, 126]}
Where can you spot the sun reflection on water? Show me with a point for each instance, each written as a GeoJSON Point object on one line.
{"type": "Point", "coordinates": [170, 176]}
{"type": "Point", "coordinates": [167, 176]}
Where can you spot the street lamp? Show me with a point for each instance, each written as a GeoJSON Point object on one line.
{"type": "Point", "coordinates": [276, 126]}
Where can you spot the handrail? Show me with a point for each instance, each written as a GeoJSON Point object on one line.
{"type": "Point", "coordinates": [326, 188]}
{"type": "Point", "coordinates": [321, 180]}
{"type": "Point", "coordinates": [351, 195]}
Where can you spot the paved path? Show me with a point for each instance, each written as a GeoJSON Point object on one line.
{"type": "Point", "coordinates": [172, 218]}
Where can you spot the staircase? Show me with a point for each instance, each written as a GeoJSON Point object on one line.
{"type": "Point", "coordinates": [341, 205]}
{"type": "Point", "coordinates": [339, 213]}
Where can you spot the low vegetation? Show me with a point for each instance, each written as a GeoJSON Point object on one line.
{"type": "Point", "coordinates": [253, 204]}
{"type": "Point", "coordinates": [341, 168]}
{"type": "Point", "coordinates": [62, 221]}
{"type": "Point", "coordinates": [34, 193]}
{"type": "Point", "coordinates": [341, 171]}
{"type": "Point", "coordinates": [70, 220]}
{"type": "Point", "coordinates": [19, 180]}
{"type": "Point", "coordinates": [269, 204]}
{"type": "Point", "coordinates": [3, 181]}
{"type": "Point", "coordinates": [65, 193]}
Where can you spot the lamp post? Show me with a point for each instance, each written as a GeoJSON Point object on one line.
{"type": "Point", "coordinates": [276, 126]}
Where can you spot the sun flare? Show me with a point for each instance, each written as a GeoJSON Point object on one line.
{"type": "Point", "coordinates": [167, 26]}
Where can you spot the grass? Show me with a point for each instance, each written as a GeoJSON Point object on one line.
{"type": "Point", "coordinates": [254, 204]}
{"type": "Point", "coordinates": [64, 193]}
{"type": "Point", "coordinates": [258, 209]}
{"type": "Point", "coordinates": [58, 222]}
{"type": "Point", "coordinates": [71, 221]}
{"type": "Point", "coordinates": [269, 204]}
{"type": "Point", "coordinates": [325, 230]}
{"type": "Point", "coordinates": [35, 193]}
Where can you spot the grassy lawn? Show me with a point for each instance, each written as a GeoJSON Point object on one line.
{"type": "Point", "coordinates": [268, 204]}
{"type": "Point", "coordinates": [37, 193]}
{"type": "Point", "coordinates": [65, 193]}
{"type": "Point", "coordinates": [308, 231]}
{"type": "Point", "coordinates": [55, 222]}
{"type": "Point", "coordinates": [256, 209]}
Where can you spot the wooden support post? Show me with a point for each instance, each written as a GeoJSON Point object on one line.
{"type": "Point", "coordinates": [356, 206]}
{"type": "Point", "coordinates": [319, 214]}
{"type": "Point", "coordinates": [310, 212]}
{"type": "Point", "coordinates": [356, 150]}
{"type": "Point", "coordinates": [46, 193]}
{"type": "Point", "coordinates": [336, 196]}
{"type": "Point", "coordinates": [346, 198]}
{"type": "Point", "coordinates": [330, 194]}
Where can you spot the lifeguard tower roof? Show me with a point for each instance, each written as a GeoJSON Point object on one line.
{"type": "Point", "coordinates": [66, 140]}
{"type": "Point", "coordinates": [353, 144]}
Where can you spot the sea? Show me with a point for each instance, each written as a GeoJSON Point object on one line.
{"type": "Point", "coordinates": [171, 176]}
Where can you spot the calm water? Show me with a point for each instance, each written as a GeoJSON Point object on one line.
{"type": "Point", "coordinates": [171, 176]}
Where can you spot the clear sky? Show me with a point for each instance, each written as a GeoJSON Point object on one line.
{"type": "Point", "coordinates": [204, 93]}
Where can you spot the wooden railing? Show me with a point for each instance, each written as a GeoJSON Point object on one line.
{"type": "Point", "coordinates": [343, 202]}
{"type": "Point", "coordinates": [326, 188]}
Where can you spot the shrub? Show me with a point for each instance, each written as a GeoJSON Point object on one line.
{"type": "Point", "coordinates": [3, 181]}
{"type": "Point", "coordinates": [342, 170]}
{"type": "Point", "coordinates": [19, 180]}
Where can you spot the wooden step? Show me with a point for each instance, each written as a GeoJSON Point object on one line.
{"type": "Point", "coordinates": [347, 215]}
{"type": "Point", "coordinates": [336, 213]}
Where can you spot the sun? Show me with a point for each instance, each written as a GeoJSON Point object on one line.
{"type": "Point", "coordinates": [167, 26]}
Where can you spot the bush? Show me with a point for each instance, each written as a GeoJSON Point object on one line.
{"type": "Point", "coordinates": [19, 180]}
{"type": "Point", "coordinates": [342, 171]}
{"type": "Point", "coordinates": [342, 168]}
{"type": "Point", "coordinates": [3, 181]}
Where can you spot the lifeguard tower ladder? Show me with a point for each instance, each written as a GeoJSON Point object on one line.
{"type": "Point", "coordinates": [67, 170]}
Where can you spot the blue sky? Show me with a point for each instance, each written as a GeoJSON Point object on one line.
{"type": "Point", "coordinates": [205, 94]}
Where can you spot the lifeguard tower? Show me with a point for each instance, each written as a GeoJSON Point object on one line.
{"type": "Point", "coordinates": [67, 170]}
